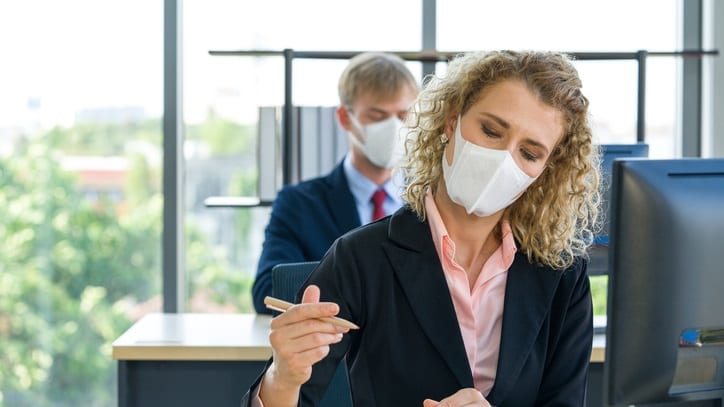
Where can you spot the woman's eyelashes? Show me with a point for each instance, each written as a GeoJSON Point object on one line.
{"type": "Point", "coordinates": [490, 132]}
{"type": "Point", "coordinates": [525, 153]}
{"type": "Point", "coordinates": [528, 155]}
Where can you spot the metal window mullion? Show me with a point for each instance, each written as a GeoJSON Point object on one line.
{"type": "Point", "coordinates": [691, 80]}
{"type": "Point", "coordinates": [429, 33]}
{"type": "Point", "coordinates": [641, 97]}
{"type": "Point", "coordinates": [173, 272]}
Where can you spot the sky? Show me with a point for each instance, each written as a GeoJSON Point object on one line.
{"type": "Point", "coordinates": [73, 55]}
{"type": "Point", "coordinates": [60, 58]}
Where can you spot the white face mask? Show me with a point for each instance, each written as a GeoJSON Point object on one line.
{"type": "Point", "coordinates": [382, 142]}
{"type": "Point", "coordinates": [482, 180]}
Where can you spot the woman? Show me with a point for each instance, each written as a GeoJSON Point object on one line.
{"type": "Point", "coordinates": [476, 292]}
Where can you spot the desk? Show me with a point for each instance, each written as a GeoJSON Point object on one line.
{"type": "Point", "coordinates": [211, 359]}
{"type": "Point", "coordinates": [190, 359]}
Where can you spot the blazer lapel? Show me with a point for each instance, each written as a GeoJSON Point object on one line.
{"type": "Point", "coordinates": [340, 200]}
{"type": "Point", "coordinates": [419, 272]}
{"type": "Point", "coordinates": [528, 295]}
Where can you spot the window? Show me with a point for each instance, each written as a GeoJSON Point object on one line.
{"type": "Point", "coordinates": [222, 98]}
{"type": "Point", "coordinates": [571, 26]}
{"type": "Point", "coordinates": [80, 158]}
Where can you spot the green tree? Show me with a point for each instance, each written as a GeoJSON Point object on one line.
{"type": "Point", "coordinates": [599, 292]}
{"type": "Point", "coordinates": [68, 268]}
{"type": "Point", "coordinates": [222, 285]}
{"type": "Point", "coordinates": [140, 182]}
{"type": "Point", "coordinates": [223, 136]}
{"type": "Point", "coordinates": [102, 139]}
{"type": "Point", "coordinates": [73, 269]}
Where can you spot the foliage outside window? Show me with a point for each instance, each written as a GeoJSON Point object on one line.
{"type": "Point", "coordinates": [80, 259]}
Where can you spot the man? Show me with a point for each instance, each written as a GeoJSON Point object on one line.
{"type": "Point", "coordinates": [375, 92]}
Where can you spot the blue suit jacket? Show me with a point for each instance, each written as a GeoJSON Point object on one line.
{"type": "Point", "coordinates": [387, 278]}
{"type": "Point", "coordinates": [305, 220]}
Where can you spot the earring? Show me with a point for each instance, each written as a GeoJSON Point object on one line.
{"type": "Point", "coordinates": [443, 138]}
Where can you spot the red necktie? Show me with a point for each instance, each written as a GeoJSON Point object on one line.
{"type": "Point", "coordinates": [377, 199]}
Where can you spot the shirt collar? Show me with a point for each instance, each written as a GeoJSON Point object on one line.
{"type": "Point", "coordinates": [362, 188]}
{"type": "Point", "coordinates": [443, 242]}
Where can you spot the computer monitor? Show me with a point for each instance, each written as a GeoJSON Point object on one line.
{"type": "Point", "coordinates": [665, 331]}
{"type": "Point", "coordinates": [598, 253]}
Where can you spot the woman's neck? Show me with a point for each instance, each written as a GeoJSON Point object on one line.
{"type": "Point", "coordinates": [475, 237]}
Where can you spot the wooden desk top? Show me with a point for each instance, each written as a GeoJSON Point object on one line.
{"type": "Point", "coordinates": [231, 337]}
{"type": "Point", "coordinates": [196, 337]}
{"type": "Point", "coordinates": [598, 353]}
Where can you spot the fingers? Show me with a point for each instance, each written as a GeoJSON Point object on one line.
{"type": "Point", "coordinates": [300, 339]}
{"type": "Point", "coordinates": [311, 294]}
{"type": "Point", "coordinates": [463, 398]}
{"type": "Point", "coordinates": [310, 308]}
{"type": "Point", "coordinates": [300, 356]}
{"type": "Point", "coordinates": [300, 329]}
{"type": "Point", "coordinates": [294, 356]}
{"type": "Point", "coordinates": [304, 336]}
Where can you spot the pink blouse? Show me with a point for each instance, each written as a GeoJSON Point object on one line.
{"type": "Point", "coordinates": [480, 310]}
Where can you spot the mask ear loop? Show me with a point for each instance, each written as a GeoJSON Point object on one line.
{"type": "Point", "coordinates": [356, 125]}
{"type": "Point", "coordinates": [358, 136]}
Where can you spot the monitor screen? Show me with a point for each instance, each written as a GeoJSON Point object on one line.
{"type": "Point", "coordinates": [665, 331]}
{"type": "Point", "coordinates": [609, 152]}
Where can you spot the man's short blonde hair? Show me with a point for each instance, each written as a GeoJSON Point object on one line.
{"type": "Point", "coordinates": [384, 75]}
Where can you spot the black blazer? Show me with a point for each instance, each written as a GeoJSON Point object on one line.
{"type": "Point", "coordinates": [305, 220]}
{"type": "Point", "coordinates": [387, 278]}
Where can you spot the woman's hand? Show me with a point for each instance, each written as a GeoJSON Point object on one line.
{"type": "Point", "coordinates": [464, 397]}
{"type": "Point", "coordinates": [299, 340]}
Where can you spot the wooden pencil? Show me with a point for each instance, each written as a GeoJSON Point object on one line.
{"type": "Point", "coordinates": [280, 305]}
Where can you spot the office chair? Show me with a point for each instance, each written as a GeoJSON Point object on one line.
{"type": "Point", "coordinates": [287, 278]}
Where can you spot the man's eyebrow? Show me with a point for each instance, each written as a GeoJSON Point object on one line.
{"type": "Point", "coordinates": [378, 110]}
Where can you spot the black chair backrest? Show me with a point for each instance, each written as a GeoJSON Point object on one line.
{"type": "Point", "coordinates": [287, 278]}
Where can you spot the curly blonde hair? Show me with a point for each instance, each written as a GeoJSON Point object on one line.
{"type": "Point", "coordinates": [556, 218]}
